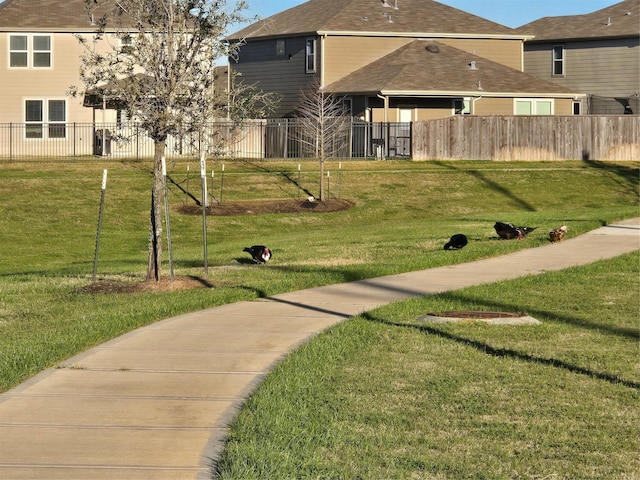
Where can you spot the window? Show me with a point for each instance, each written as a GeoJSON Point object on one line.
{"type": "Point", "coordinates": [533, 106]}
{"type": "Point", "coordinates": [39, 51]}
{"type": "Point", "coordinates": [126, 44]}
{"type": "Point", "coordinates": [280, 47]}
{"type": "Point", "coordinates": [56, 115]}
{"type": "Point", "coordinates": [311, 55]}
{"type": "Point", "coordinates": [558, 60]}
{"type": "Point", "coordinates": [18, 51]}
{"type": "Point", "coordinates": [33, 117]}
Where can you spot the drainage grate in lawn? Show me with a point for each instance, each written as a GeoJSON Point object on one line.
{"type": "Point", "coordinates": [492, 318]}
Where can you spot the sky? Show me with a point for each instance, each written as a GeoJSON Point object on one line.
{"type": "Point", "coordinates": [512, 13]}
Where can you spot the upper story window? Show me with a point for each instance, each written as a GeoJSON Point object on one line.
{"type": "Point", "coordinates": [126, 43]}
{"type": "Point", "coordinates": [280, 47]}
{"type": "Point", "coordinates": [30, 51]}
{"type": "Point", "coordinates": [558, 60]}
{"type": "Point", "coordinates": [311, 55]}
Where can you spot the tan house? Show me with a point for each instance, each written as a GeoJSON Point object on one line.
{"type": "Point", "coordinates": [396, 61]}
{"type": "Point", "coordinates": [597, 53]}
{"type": "Point", "coordinates": [39, 61]}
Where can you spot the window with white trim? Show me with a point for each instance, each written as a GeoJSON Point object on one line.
{"type": "Point", "coordinates": [311, 55]}
{"type": "Point", "coordinates": [280, 47]}
{"type": "Point", "coordinates": [558, 60]}
{"type": "Point", "coordinates": [533, 106]}
{"type": "Point", "coordinates": [30, 51]}
{"type": "Point", "coordinates": [55, 112]}
{"type": "Point", "coordinates": [41, 51]}
{"type": "Point", "coordinates": [18, 51]}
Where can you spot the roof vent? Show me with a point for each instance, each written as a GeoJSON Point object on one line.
{"type": "Point", "coordinates": [480, 85]}
{"type": "Point", "coordinates": [365, 18]}
{"type": "Point", "coordinates": [473, 65]}
{"type": "Point", "coordinates": [385, 3]}
{"type": "Point", "coordinates": [608, 22]}
{"type": "Point", "coordinates": [433, 48]}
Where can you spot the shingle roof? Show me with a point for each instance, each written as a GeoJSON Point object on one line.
{"type": "Point", "coordinates": [619, 20]}
{"type": "Point", "coordinates": [49, 15]}
{"type": "Point", "coordinates": [373, 17]}
{"type": "Point", "coordinates": [427, 67]}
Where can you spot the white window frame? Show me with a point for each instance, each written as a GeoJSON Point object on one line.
{"type": "Point", "coordinates": [561, 61]}
{"type": "Point", "coordinates": [31, 51]}
{"type": "Point", "coordinates": [311, 55]}
{"type": "Point", "coordinates": [534, 102]}
{"type": "Point", "coordinates": [45, 123]}
{"type": "Point", "coordinates": [24, 52]}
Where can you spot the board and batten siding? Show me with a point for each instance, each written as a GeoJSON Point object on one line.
{"type": "Point", "coordinates": [608, 68]}
{"type": "Point", "coordinates": [284, 75]}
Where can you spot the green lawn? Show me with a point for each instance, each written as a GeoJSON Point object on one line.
{"type": "Point", "coordinates": [382, 395]}
{"type": "Point", "coordinates": [385, 395]}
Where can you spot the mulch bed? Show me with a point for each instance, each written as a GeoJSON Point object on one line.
{"type": "Point", "coordinates": [261, 207]}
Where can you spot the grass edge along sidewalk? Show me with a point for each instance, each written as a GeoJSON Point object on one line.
{"type": "Point", "coordinates": [124, 405]}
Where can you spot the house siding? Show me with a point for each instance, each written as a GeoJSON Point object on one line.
{"type": "Point", "coordinates": [19, 84]}
{"type": "Point", "coordinates": [346, 54]}
{"type": "Point", "coordinates": [608, 68]}
{"type": "Point", "coordinates": [284, 75]}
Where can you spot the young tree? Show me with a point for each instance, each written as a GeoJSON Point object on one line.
{"type": "Point", "coordinates": [157, 57]}
{"type": "Point", "coordinates": [325, 125]}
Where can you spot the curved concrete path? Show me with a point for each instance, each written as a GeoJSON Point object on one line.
{"type": "Point", "coordinates": [155, 403]}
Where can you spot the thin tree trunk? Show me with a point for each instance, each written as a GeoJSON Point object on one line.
{"type": "Point", "coordinates": [155, 224]}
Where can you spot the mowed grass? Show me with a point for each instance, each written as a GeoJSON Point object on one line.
{"type": "Point", "coordinates": [382, 395]}
{"type": "Point", "coordinates": [388, 396]}
{"type": "Point", "coordinates": [403, 213]}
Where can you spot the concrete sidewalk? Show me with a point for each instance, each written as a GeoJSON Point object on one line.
{"type": "Point", "coordinates": [155, 403]}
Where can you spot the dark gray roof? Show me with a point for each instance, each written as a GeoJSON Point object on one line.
{"type": "Point", "coordinates": [50, 15]}
{"type": "Point", "coordinates": [373, 17]}
{"type": "Point", "coordinates": [427, 67]}
{"type": "Point", "coordinates": [619, 20]}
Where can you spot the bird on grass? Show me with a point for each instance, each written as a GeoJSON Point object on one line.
{"type": "Point", "coordinates": [456, 242]}
{"type": "Point", "coordinates": [508, 231]}
{"type": "Point", "coordinates": [557, 234]}
{"type": "Point", "coordinates": [259, 253]}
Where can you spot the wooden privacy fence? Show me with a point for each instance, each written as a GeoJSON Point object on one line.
{"type": "Point", "coordinates": [587, 137]}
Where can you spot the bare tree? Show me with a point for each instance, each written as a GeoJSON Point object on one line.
{"type": "Point", "coordinates": [157, 57]}
{"type": "Point", "coordinates": [324, 125]}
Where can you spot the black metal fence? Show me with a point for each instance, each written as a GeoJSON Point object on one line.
{"type": "Point", "coordinates": [257, 139]}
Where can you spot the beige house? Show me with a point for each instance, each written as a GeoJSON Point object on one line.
{"type": "Point", "coordinates": [597, 53]}
{"type": "Point", "coordinates": [39, 61]}
{"type": "Point", "coordinates": [396, 61]}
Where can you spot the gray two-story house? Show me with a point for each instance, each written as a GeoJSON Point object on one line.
{"type": "Point", "coordinates": [597, 53]}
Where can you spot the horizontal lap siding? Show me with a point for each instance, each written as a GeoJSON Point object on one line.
{"type": "Point", "coordinates": [528, 138]}
{"type": "Point", "coordinates": [608, 68]}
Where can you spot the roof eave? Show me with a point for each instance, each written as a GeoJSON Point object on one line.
{"type": "Point", "coordinates": [476, 93]}
{"type": "Point", "coordinates": [580, 39]}
{"type": "Point", "coordinates": [345, 33]}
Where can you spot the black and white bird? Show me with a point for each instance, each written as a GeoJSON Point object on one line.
{"type": "Point", "coordinates": [509, 231]}
{"type": "Point", "coordinates": [259, 253]}
{"type": "Point", "coordinates": [456, 242]}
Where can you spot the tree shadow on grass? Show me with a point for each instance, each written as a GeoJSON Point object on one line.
{"type": "Point", "coordinates": [506, 352]}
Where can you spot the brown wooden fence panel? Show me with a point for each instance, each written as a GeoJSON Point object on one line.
{"type": "Point", "coordinates": [586, 137]}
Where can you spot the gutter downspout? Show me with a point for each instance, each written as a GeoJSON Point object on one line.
{"type": "Point", "coordinates": [385, 99]}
